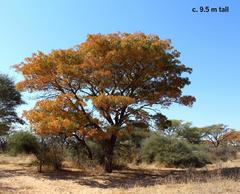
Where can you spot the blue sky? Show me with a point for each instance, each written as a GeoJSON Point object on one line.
{"type": "Point", "coordinates": [209, 42]}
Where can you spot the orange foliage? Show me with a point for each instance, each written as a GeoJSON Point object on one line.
{"type": "Point", "coordinates": [232, 137]}
{"type": "Point", "coordinates": [103, 83]}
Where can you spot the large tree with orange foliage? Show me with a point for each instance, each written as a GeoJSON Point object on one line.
{"type": "Point", "coordinates": [104, 86]}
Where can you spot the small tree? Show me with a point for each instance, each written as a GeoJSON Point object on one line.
{"type": "Point", "coordinates": [51, 152]}
{"type": "Point", "coordinates": [23, 142]}
{"type": "Point", "coordinates": [179, 129]}
{"type": "Point", "coordinates": [10, 98]}
{"type": "Point", "coordinates": [99, 87]}
{"type": "Point", "coordinates": [193, 135]}
{"type": "Point", "coordinates": [216, 134]}
{"type": "Point", "coordinates": [173, 128]}
{"type": "Point", "coordinates": [174, 152]}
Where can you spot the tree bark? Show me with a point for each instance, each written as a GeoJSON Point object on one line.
{"type": "Point", "coordinates": [108, 157]}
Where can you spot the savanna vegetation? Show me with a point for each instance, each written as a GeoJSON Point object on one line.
{"type": "Point", "coordinates": [99, 107]}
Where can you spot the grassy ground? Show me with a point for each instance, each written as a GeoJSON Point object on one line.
{"type": "Point", "coordinates": [17, 175]}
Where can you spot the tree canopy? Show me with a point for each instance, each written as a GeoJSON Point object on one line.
{"type": "Point", "coordinates": [104, 86]}
{"type": "Point", "coordinates": [10, 98]}
{"type": "Point", "coordinates": [218, 134]}
{"type": "Point", "coordinates": [178, 128]}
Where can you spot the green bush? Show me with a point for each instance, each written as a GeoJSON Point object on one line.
{"type": "Point", "coordinates": [173, 152]}
{"type": "Point", "coordinates": [23, 142]}
{"type": "Point", "coordinates": [97, 151]}
{"type": "Point", "coordinates": [79, 154]}
{"type": "Point", "coordinates": [128, 147]}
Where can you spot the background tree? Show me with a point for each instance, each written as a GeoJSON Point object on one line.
{"type": "Point", "coordinates": [171, 127]}
{"type": "Point", "coordinates": [9, 100]}
{"type": "Point", "coordinates": [23, 142]}
{"type": "Point", "coordinates": [161, 123]}
{"type": "Point", "coordinates": [216, 134]}
{"type": "Point", "coordinates": [104, 84]}
{"type": "Point", "coordinates": [193, 135]}
{"type": "Point", "coordinates": [173, 151]}
{"type": "Point", "coordinates": [180, 129]}
{"type": "Point", "coordinates": [232, 138]}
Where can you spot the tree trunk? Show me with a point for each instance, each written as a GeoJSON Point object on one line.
{"type": "Point", "coordinates": [3, 144]}
{"type": "Point", "coordinates": [40, 166]}
{"type": "Point", "coordinates": [108, 151]}
{"type": "Point", "coordinates": [41, 154]}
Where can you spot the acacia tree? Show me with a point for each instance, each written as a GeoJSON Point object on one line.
{"type": "Point", "coordinates": [232, 138]}
{"type": "Point", "coordinates": [172, 127]}
{"type": "Point", "coordinates": [104, 86]}
{"type": "Point", "coordinates": [179, 129]}
{"type": "Point", "coordinates": [10, 98]}
{"type": "Point", "coordinates": [216, 134]}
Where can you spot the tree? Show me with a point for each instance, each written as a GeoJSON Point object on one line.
{"type": "Point", "coordinates": [104, 85]}
{"type": "Point", "coordinates": [172, 127]}
{"type": "Point", "coordinates": [180, 129]}
{"type": "Point", "coordinates": [193, 135]}
{"type": "Point", "coordinates": [161, 123]}
{"type": "Point", "coordinates": [10, 98]}
{"type": "Point", "coordinates": [232, 138]}
{"type": "Point", "coordinates": [23, 142]}
{"type": "Point", "coordinates": [173, 152]}
{"type": "Point", "coordinates": [216, 134]}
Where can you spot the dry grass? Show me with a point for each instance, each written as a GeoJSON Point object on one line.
{"type": "Point", "coordinates": [217, 185]}
{"type": "Point", "coordinates": [17, 175]}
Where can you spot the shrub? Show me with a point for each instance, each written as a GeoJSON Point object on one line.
{"type": "Point", "coordinates": [80, 155]}
{"type": "Point", "coordinates": [125, 152]}
{"type": "Point", "coordinates": [97, 151]}
{"type": "Point", "coordinates": [51, 152]}
{"type": "Point", "coordinates": [128, 147]}
{"type": "Point", "coordinates": [223, 152]}
{"type": "Point", "coordinates": [23, 142]}
{"type": "Point", "coordinates": [173, 152]}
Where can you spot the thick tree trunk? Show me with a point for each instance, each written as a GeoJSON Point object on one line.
{"type": "Point", "coordinates": [108, 151]}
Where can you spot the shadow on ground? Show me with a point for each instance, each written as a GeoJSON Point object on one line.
{"type": "Point", "coordinates": [129, 177]}
{"type": "Point", "coordinates": [4, 189]}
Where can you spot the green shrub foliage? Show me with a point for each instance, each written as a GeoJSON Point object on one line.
{"type": "Point", "coordinates": [173, 152]}
{"type": "Point", "coordinates": [23, 142]}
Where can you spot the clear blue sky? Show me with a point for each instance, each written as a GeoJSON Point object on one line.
{"type": "Point", "coordinates": [209, 42]}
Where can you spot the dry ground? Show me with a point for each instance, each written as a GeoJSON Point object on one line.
{"type": "Point", "coordinates": [18, 176]}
